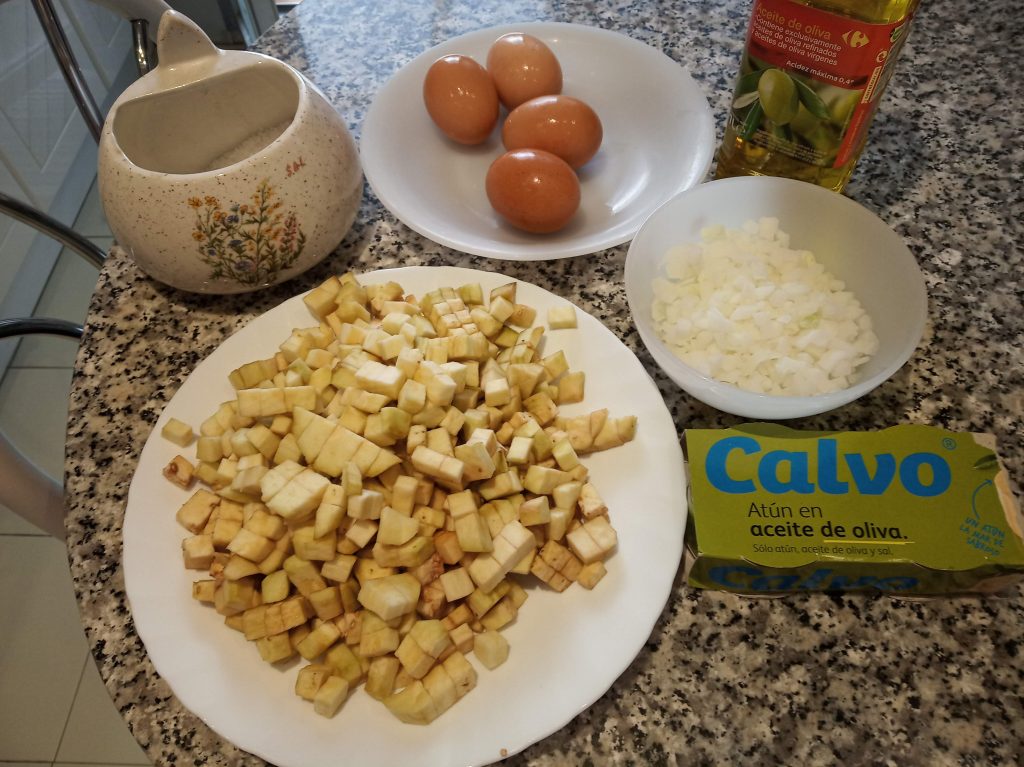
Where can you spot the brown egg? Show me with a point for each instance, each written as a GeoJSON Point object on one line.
{"type": "Point", "coordinates": [561, 125]}
{"type": "Point", "coordinates": [533, 190]}
{"type": "Point", "coordinates": [461, 99]}
{"type": "Point", "coordinates": [523, 68]}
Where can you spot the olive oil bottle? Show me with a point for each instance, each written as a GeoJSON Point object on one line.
{"type": "Point", "coordinates": [810, 79]}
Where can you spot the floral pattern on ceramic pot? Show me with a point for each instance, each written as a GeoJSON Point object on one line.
{"type": "Point", "coordinates": [249, 243]}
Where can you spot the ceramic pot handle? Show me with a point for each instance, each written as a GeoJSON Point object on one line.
{"type": "Point", "coordinates": [179, 40]}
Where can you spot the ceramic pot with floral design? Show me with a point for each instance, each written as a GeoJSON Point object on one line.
{"type": "Point", "coordinates": [225, 171]}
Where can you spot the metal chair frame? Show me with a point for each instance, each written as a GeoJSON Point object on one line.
{"type": "Point", "coordinates": [69, 65]}
{"type": "Point", "coordinates": [24, 488]}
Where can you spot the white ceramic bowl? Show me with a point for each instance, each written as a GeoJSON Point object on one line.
{"type": "Point", "coordinates": [850, 241]}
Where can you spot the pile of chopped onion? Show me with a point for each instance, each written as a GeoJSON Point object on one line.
{"type": "Point", "coordinates": [743, 308]}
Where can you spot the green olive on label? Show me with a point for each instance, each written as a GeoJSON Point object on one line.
{"type": "Point", "coordinates": [841, 105]}
{"type": "Point", "coordinates": [803, 121]}
{"type": "Point", "coordinates": [778, 94]}
{"type": "Point", "coordinates": [824, 139]}
{"type": "Point", "coordinates": [810, 99]}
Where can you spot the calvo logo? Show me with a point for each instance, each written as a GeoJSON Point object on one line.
{"type": "Point", "coordinates": [870, 475]}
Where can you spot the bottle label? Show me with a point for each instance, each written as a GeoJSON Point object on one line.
{"type": "Point", "coordinates": [810, 80]}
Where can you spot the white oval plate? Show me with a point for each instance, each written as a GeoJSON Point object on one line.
{"type": "Point", "coordinates": [566, 649]}
{"type": "Point", "coordinates": [659, 139]}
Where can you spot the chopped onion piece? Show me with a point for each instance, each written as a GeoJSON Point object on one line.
{"type": "Point", "coordinates": [745, 309]}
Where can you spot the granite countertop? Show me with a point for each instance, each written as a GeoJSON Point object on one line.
{"type": "Point", "coordinates": [814, 679]}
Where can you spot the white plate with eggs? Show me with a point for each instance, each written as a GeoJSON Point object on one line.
{"type": "Point", "coordinates": [659, 140]}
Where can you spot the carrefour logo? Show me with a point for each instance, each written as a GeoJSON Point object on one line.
{"type": "Point", "coordinates": [789, 471]}
{"type": "Point", "coordinates": [855, 38]}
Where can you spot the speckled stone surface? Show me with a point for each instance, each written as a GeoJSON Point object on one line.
{"type": "Point", "coordinates": [813, 679]}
